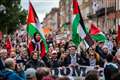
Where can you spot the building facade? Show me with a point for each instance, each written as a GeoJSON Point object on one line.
{"type": "Point", "coordinates": [51, 22]}
{"type": "Point", "coordinates": [105, 13]}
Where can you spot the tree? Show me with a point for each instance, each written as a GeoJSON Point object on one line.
{"type": "Point", "coordinates": [11, 16]}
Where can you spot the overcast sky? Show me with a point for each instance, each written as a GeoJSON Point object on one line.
{"type": "Point", "coordinates": [41, 6]}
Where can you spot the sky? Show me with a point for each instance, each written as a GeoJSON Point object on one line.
{"type": "Point", "coordinates": [41, 7]}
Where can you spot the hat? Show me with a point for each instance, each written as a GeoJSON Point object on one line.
{"type": "Point", "coordinates": [30, 73]}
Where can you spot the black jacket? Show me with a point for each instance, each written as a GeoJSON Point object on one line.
{"type": "Point", "coordinates": [34, 64]}
{"type": "Point", "coordinates": [81, 60]}
{"type": "Point", "coordinates": [54, 63]}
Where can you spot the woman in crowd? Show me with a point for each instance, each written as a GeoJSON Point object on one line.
{"type": "Point", "coordinates": [93, 58]}
{"type": "Point", "coordinates": [35, 61]}
{"type": "Point", "coordinates": [117, 58]}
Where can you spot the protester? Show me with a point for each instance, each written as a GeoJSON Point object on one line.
{"type": "Point", "coordinates": [54, 61]}
{"type": "Point", "coordinates": [74, 59]}
{"type": "Point", "coordinates": [63, 57]}
{"type": "Point", "coordinates": [99, 49]}
{"type": "Point", "coordinates": [92, 75]}
{"type": "Point", "coordinates": [62, 54]}
{"type": "Point", "coordinates": [35, 61]}
{"type": "Point", "coordinates": [117, 58]}
{"type": "Point", "coordinates": [30, 74]}
{"type": "Point", "coordinates": [110, 43]}
{"type": "Point", "coordinates": [35, 45]}
{"type": "Point", "coordinates": [93, 59]}
{"type": "Point", "coordinates": [13, 55]}
{"type": "Point", "coordinates": [3, 56]}
{"type": "Point", "coordinates": [114, 50]}
{"type": "Point", "coordinates": [42, 72]}
{"type": "Point", "coordinates": [110, 68]}
{"type": "Point", "coordinates": [105, 50]}
{"type": "Point", "coordinates": [9, 73]}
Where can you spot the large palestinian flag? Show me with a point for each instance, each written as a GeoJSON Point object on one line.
{"type": "Point", "coordinates": [79, 31]}
{"type": "Point", "coordinates": [34, 26]}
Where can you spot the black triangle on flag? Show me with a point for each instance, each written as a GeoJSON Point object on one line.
{"type": "Point", "coordinates": [89, 40]}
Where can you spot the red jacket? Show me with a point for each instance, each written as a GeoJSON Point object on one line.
{"type": "Point", "coordinates": [31, 48]}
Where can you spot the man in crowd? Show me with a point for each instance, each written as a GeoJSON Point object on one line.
{"type": "Point", "coordinates": [54, 61]}
{"type": "Point", "coordinates": [9, 73]}
{"type": "Point", "coordinates": [30, 74]}
{"type": "Point", "coordinates": [3, 56]}
{"type": "Point", "coordinates": [74, 59]}
{"type": "Point", "coordinates": [110, 68]}
{"type": "Point", "coordinates": [35, 61]}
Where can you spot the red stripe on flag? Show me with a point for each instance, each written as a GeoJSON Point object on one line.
{"type": "Point", "coordinates": [94, 30]}
{"type": "Point", "coordinates": [75, 7]}
{"type": "Point", "coordinates": [31, 15]}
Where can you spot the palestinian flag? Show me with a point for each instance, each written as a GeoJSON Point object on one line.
{"type": "Point", "coordinates": [79, 31]}
{"type": "Point", "coordinates": [96, 34]}
{"type": "Point", "coordinates": [34, 26]}
{"type": "Point", "coordinates": [8, 45]}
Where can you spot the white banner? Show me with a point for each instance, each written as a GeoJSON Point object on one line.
{"type": "Point", "coordinates": [78, 73]}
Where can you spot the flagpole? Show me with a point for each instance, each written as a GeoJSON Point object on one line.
{"type": "Point", "coordinates": [81, 18]}
{"type": "Point", "coordinates": [28, 28]}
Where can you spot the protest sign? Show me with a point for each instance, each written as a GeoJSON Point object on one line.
{"type": "Point", "coordinates": [76, 72]}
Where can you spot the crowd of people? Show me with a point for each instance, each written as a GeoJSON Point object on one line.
{"type": "Point", "coordinates": [21, 59]}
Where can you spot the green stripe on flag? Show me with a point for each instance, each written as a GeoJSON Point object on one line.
{"type": "Point", "coordinates": [31, 30]}
{"type": "Point", "coordinates": [99, 37]}
{"type": "Point", "coordinates": [75, 36]}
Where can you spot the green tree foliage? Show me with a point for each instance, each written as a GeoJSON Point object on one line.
{"type": "Point", "coordinates": [11, 16]}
